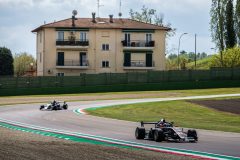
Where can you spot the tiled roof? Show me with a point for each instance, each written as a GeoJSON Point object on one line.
{"type": "Point", "coordinates": [102, 23]}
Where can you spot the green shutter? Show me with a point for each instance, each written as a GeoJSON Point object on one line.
{"type": "Point", "coordinates": [149, 60]}
{"type": "Point", "coordinates": [127, 59]}
{"type": "Point", "coordinates": [60, 61]}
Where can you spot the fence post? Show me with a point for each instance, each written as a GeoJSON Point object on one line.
{"type": "Point", "coordinates": [83, 77]}
{"type": "Point", "coordinates": [148, 76]}
{"type": "Point", "coordinates": [106, 79]}
{"type": "Point", "coordinates": [16, 82]}
{"type": "Point", "coordinates": [190, 75]}
{"type": "Point", "coordinates": [40, 82]}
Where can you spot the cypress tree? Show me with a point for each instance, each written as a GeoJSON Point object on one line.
{"type": "Point", "coordinates": [230, 34]}
{"type": "Point", "coordinates": [237, 21]}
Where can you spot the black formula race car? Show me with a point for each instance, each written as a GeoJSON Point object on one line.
{"type": "Point", "coordinates": [165, 131]}
{"type": "Point", "coordinates": [54, 105]}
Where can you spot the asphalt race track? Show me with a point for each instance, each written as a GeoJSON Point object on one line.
{"type": "Point", "coordinates": [209, 141]}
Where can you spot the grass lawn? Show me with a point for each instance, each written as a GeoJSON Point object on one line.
{"type": "Point", "coordinates": [183, 113]}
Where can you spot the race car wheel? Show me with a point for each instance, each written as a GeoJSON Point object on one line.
{"type": "Point", "coordinates": [140, 133]}
{"type": "Point", "coordinates": [158, 136]}
{"type": "Point", "coordinates": [54, 108]}
{"type": "Point", "coordinates": [65, 107]}
{"type": "Point", "coordinates": [192, 133]}
{"type": "Point", "coordinates": [41, 107]}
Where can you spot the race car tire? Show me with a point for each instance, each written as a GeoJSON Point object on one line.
{"type": "Point", "coordinates": [54, 108]}
{"type": "Point", "coordinates": [140, 133]}
{"type": "Point", "coordinates": [65, 106]}
{"type": "Point", "coordinates": [192, 133]}
{"type": "Point", "coordinates": [41, 107]}
{"type": "Point", "coordinates": [158, 136]}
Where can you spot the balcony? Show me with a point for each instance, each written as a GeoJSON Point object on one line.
{"type": "Point", "coordinates": [71, 44]}
{"type": "Point", "coordinates": [72, 64]}
{"type": "Point", "coordinates": [141, 65]}
{"type": "Point", "coordinates": [138, 44]}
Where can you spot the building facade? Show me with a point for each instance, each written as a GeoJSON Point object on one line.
{"type": "Point", "coordinates": [99, 45]}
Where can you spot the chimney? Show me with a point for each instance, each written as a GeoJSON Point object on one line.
{"type": "Point", "coordinates": [94, 17]}
{"type": "Point", "coordinates": [111, 18]}
{"type": "Point", "coordinates": [73, 21]}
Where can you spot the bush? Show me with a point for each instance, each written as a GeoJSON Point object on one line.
{"type": "Point", "coordinates": [230, 58]}
{"type": "Point", "coordinates": [6, 61]}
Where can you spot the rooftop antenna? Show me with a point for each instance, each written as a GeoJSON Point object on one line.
{"type": "Point", "coordinates": [120, 9]}
{"type": "Point", "coordinates": [74, 12]}
{"type": "Point", "coordinates": [98, 6]}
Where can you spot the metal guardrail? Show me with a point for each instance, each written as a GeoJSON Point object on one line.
{"type": "Point", "coordinates": [138, 63]}
{"type": "Point", "coordinates": [72, 63]}
{"type": "Point", "coordinates": [75, 42]}
{"type": "Point", "coordinates": [138, 43]}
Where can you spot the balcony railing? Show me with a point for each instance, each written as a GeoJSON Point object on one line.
{"type": "Point", "coordinates": [72, 63]}
{"type": "Point", "coordinates": [138, 64]}
{"type": "Point", "coordinates": [138, 43]}
{"type": "Point", "coordinates": [75, 42]}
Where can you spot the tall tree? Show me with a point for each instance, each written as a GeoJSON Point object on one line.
{"type": "Point", "coordinates": [6, 61]}
{"type": "Point", "coordinates": [230, 34]}
{"type": "Point", "coordinates": [237, 22]}
{"type": "Point", "coordinates": [147, 15]}
{"type": "Point", "coordinates": [23, 62]}
{"type": "Point", "coordinates": [217, 24]}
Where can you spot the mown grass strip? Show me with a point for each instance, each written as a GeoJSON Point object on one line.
{"type": "Point", "coordinates": [183, 113]}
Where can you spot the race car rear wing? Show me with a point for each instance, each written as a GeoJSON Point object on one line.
{"type": "Point", "coordinates": [155, 123]}
{"type": "Point", "coordinates": [142, 123]}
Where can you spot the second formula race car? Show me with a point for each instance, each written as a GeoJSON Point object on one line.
{"type": "Point", "coordinates": [54, 105]}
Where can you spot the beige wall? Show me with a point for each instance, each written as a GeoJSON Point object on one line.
{"type": "Point", "coordinates": [95, 54]}
{"type": "Point", "coordinates": [39, 53]}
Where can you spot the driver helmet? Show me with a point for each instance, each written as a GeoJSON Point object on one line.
{"type": "Point", "coordinates": [162, 120]}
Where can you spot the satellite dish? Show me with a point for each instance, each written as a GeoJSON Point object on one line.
{"type": "Point", "coordinates": [74, 12]}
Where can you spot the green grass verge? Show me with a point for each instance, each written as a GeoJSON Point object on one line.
{"type": "Point", "coordinates": [183, 113]}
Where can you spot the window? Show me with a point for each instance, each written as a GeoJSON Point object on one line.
{"type": "Point", "coordinates": [105, 64]}
{"type": "Point", "coordinates": [148, 37]}
{"type": "Point", "coordinates": [83, 36]}
{"type": "Point", "coordinates": [105, 47]}
{"type": "Point", "coordinates": [60, 74]}
{"type": "Point", "coordinates": [60, 36]}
